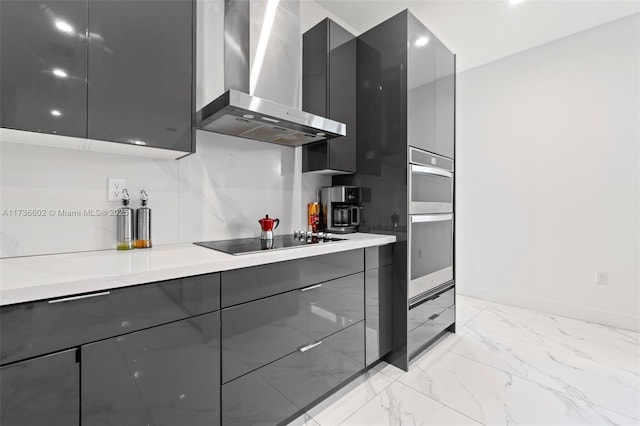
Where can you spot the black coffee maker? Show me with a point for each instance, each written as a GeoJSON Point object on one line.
{"type": "Point", "coordinates": [340, 209]}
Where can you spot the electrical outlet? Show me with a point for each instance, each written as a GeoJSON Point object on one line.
{"type": "Point", "coordinates": [602, 278]}
{"type": "Point", "coordinates": [114, 188]}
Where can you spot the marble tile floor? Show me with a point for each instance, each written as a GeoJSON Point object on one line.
{"type": "Point", "coordinates": [504, 366]}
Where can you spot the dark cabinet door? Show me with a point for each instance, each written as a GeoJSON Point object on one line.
{"type": "Point", "coordinates": [342, 96]}
{"type": "Point", "coordinates": [445, 100]}
{"type": "Point", "coordinates": [166, 375]}
{"type": "Point", "coordinates": [140, 72]}
{"type": "Point", "coordinates": [43, 66]}
{"type": "Point", "coordinates": [329, 89]}
{"type": "Point", "coordinates": [421, 86]}
{"type": "Point", "coordinates": [378, 312]}
{"type": "Point", "coordinates": [41, 391]}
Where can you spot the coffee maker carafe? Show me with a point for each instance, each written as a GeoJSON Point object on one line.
{"type": "Point", "coordinates": [340, 209]}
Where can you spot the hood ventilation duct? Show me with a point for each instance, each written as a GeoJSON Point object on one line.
{"type": "Point", "coordinates": [262, 57]}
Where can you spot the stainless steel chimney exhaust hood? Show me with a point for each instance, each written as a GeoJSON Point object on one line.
{"type": "Point", "coordinates": [238, 114]}
{"type": "Point", "coordinates": [251, 27]}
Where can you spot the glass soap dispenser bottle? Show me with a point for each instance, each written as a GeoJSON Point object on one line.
{"type": "Point", "coordinates": [125, 224]}
{"type": "Point", "coordinates": [143, 221]}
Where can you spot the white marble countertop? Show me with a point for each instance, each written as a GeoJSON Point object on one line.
{"type": "Point", "coordinates": [26, 279]}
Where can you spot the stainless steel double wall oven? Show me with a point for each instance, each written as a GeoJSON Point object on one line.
{"type": "Point", "coordinates": [431, 222]}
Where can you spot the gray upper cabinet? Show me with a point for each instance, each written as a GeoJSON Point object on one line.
{"type": "Point", "coordinates": [140, 72]}
{"type": "Point", "coordinates": [43, 66]}
{"type": "Point", "coordinates": [430, 91]}
{"type": "Point", "coordinates": [116, 71]}
{"type": "Point", "coordinates": [329, 89]}
{"type": "Point", "coordinates": [421, 86]}
{"type": "Point", "coordinates": [445, 100]}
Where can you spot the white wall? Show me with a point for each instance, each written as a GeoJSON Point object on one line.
{"type": "Point", "coordinates": [548, 176]}
{"type": "Point", "coordinates": [220, 192]}
{"type": "Point", "coordinates": [312, 12]}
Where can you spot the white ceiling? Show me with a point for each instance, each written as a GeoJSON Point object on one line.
{"type": "Point", "coordinates": [481, 31]}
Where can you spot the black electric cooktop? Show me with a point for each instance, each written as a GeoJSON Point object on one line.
{"type": "Point", "coordinates": [256, 245]}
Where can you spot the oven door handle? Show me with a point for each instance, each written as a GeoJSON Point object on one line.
{"type": "Point", "coordinates": [426, 170]}
{"type": "Point", "coordinates": [419, 218]}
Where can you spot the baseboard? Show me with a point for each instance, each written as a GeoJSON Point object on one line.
{"type": "Point", "coordinates": [585, 313]}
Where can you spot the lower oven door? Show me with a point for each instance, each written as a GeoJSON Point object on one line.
{"type": "Point", "coordinates": [431, 245]}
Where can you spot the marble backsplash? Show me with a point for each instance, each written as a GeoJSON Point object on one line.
{"type": "Point", "coordinates": [218, 193]}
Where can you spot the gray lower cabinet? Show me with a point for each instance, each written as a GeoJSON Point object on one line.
{"type": "Point", "coordinates": [41, 391]}
{"type": "Point", "coordinates": [429, 319]}
{"type": "Point", "coordinates": [256, 333]}
{"type": "Point", "coordinates": [35, 328]}
{"type": "Point", "coordinates": [166, 375]}
{"type": "Point", "coordinates": [247, 284]}
{"type": "Point", "coordinates": [378, 308]}
{"type": "Point", "coordinates": [378, 301]}
{"type": "Point", "coordinates": [275, 392]}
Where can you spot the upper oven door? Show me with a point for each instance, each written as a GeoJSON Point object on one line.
{"type": "Point", "coordinates": [431, 246]}
{"type": "Point", "coordinates": [431, 190]}
{"type": "Point", "coordinates": [430, 183]}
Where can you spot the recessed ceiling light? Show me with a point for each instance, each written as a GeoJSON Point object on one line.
{"type": "Point", "coordinates": [64, 26]}
{"type": "Point", "coordinates": [248, 116]}
{"type": "Point", "coordinates": [60, 73]}
{"type": "Point", "coordinates": [138, 142]}
{"type": "Point", "coordinates": [321, 134]}
{"type": "Point", "coordinates": [516, 1]}
{"type": "Point", "coordinates": [56, 113]}
{"type": "Point", "coordinates": [422, 41]}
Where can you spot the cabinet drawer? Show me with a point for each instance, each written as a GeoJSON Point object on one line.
{"type": "Point", "coordinates": [426, 331]}
{"type": "Point", "coordinates": [276, 391]}
{"type": "Point", "coordinates": [422, 312]}
{"type": "Point", "coordinates": [256, 333]}
{"type": "Point", "coordinates": [31, 329]}
{"type": "Point", "coordinates": [162, 376]}
{"type": "Point", "coordinates": [243, 285]}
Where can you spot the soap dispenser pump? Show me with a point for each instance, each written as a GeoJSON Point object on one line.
{"type": "Point", "coordinates": [143, 221]}
{"type": "Point", "coordinates": [125, 224]}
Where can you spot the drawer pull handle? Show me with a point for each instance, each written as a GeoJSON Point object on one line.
{"type": "Point", "coordinates": [311, 287]}
{"type": "Point", "coordinates": [311, 346]}
{"type": "Point", "coordinates": [434, 316]}
{"type": "Point", "coordinates": [84, 296]}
